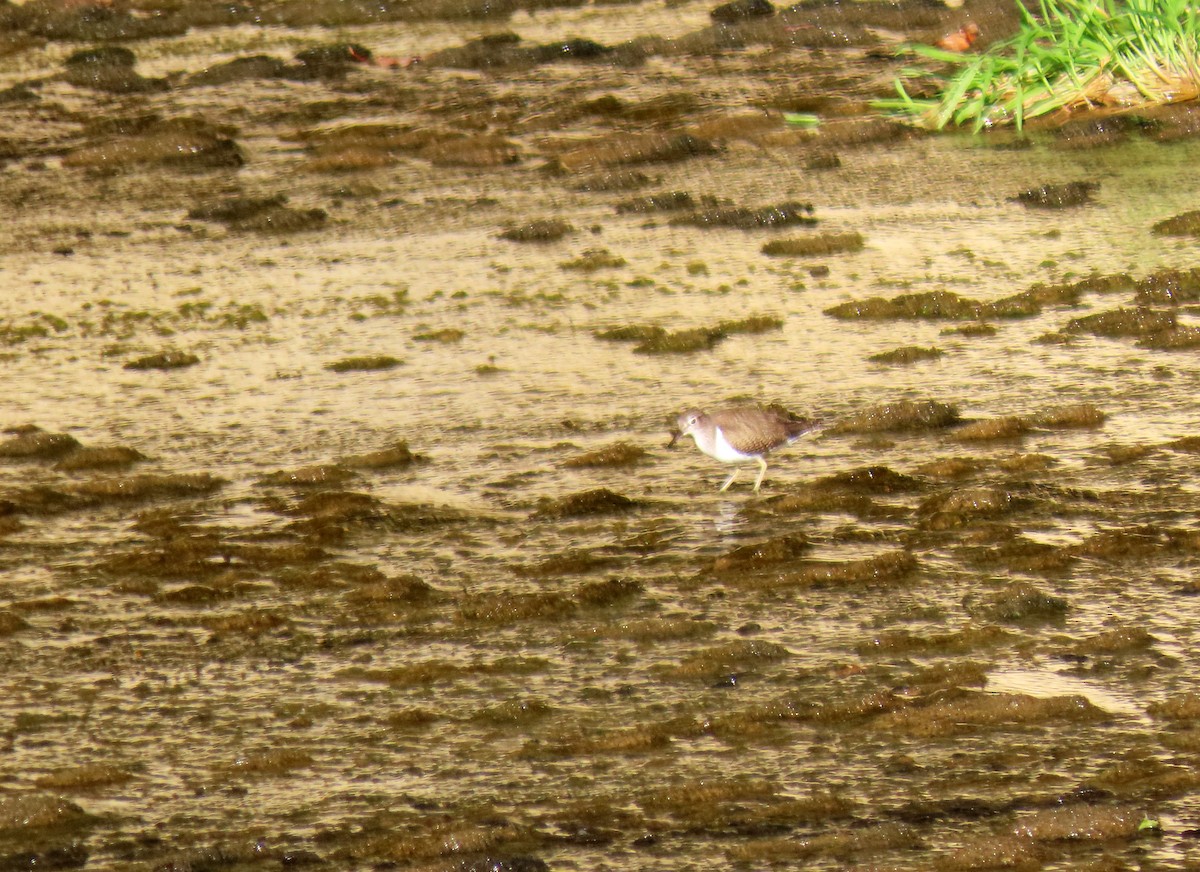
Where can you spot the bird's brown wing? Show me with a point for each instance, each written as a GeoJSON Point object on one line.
{"type": "Point", "coordinates": [757, 430]}
{"type": "Point", "coordinates": [752, 430]}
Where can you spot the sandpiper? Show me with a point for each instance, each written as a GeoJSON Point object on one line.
{"type": "Point", "coordinates": [742, 433]}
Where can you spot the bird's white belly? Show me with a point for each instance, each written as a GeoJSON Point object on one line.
{"type": "Point", "coordinates": [725, 452]}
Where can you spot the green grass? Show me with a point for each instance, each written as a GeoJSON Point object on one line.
{"type": "Point", "coordinates": [1070, 54]}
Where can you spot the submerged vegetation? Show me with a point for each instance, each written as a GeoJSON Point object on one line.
{"type": "Point", "coordinates": [1070, 54]}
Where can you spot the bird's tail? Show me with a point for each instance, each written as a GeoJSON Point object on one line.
{"type": "Point", "coordinates": [799, 426]}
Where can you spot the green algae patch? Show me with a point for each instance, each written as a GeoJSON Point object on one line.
{"type": "Point", "coordinates": [370, 363]}
{"type": "Point", "coordinates": [746, 218]}
{"type": "Point", "coordinates": [956, 507]}
{"type": "Point", "coordinates": [1169, 287]}
{"type": "Point", "coordinates": [39, 326]}
{"type": "Point", "coordinates": [438, 844]}
{"type": "Point", "coordinates": [395, 456]}
{"type": "Point", "coordinates": [101, 457]}
{"type": "Point", "coordinates": [905, 356]}
{"type": "Point", "coordinates": [1026, 462]}
{"type": "Point", "coordinates": [36, 444]}
{"type": "Point", "coordinates": [1023, 305]}
{"type": "Point", "coordinates": [882, 571]}
{"type": "Point", "coordinates": [593, 260]}
{"type": "Point", "coordinates": [1007, 427]}
{"type": "Point", "coordinates": [669, 201]}
{"type": "Point", "coordinates": [1068, 195]}
{"type": "Point", "coordinates": [514, 712]}
{"type": "Point", "coordinates": [389, 596]}
{"type": "Point", "coordinates": [818, 502]}
{"type": "Point", "coordinates": [1183, 224]}
{"type": "Point", "coordinates": [681, 341]}
{"type": "Point", "coordinates": [561, 565]}
{"type": "Point", "coordinates": [752, 324]}
{"type": "Point", "coordinates": [1181, 338]}
{"type": "Point", "coordinates": [1055, 339]}
{"type": "Point", "coordinates": [382, 305]}
{"type": "Point", "coordinates": [447, 336]}
{"type": "Point", "coordinates": [712, 663]}
{"type": "Point", "coordinates": [148, 486]}
{"type": "Point", "coordinates": [86, 778]}
{"type": "Point", "coordinates": [819, 244]}
{"type": "Point", "coordinates": [338, 506]}
{"type": "Point", "coordinates": [282, 221]}
{"type": "Point", "coordinates": [1180, 707]}
{"type": "Point", "coordinates": [182, 144]}
{"type": "Point", "coordinates": [11, 623]}
{"type": "Point", "coordinates": [434, 671]}
{"type": "Point", "coordinates": [757, 555]}
{"type": "Point", "coordinates": [900, 416]}
{"type": "Point", "coordinates": [616, 455]}
{"type": "Point", "coordinates": [994, 851]}
{"type": "Point", "coordinates": [851, 844]}
{"type": "Point", "coordinates": [412, 719]}
{"type": "Point", "coordinates": [1017, 603]}
{"type": "Point", "coordinates": [1114, 642]}
{"type": "Point", "coordinates": [715, 804]}
{"type": "Point", "coordinates": [233, 209]}
{"type": "Point", "coordinates": [600, 501]}
{"type": "Point", "coordinates": [1141, 776]}
{"type": "Point", "coordinates": [276, 761]}
{"type": "Point", "coordinates": [652, 631]}
{"type": "Point", "coordinates": [1079, 822]}
{"type": "Point", "coordinates": [505, 607]}
{"type": "Point", "coordinates": [24, 814]}
{"type": "Point", "coordinates": [1040, 295]}
{"type": "Point", "coordinates": [871, 480]}
{"type": "Point", "coordinates": [628, 149]}
{"type": "Point", "coordinates": [1141, 321]}
{"type": "Point", "coordinates": [543, 230]}
{"type": "Point", "coordinates": [1187, 445]}
{"type": "Point", "coordinates": [944, 305]}
{"type": "Point", "coordinates": [653, 339]}
{"type": "Point", "coordinates": [970, 712]}
{"type": "Point", "coordinates": [975, 330]}
{"type": "Point", "coordinates": [892, 643]}
{"type": "Point", "coordinates": [165, 360]}
{"type": "Point", "coordinates": [122, 323]}
{"type": "Point", "coordinates": [631, 333]}
{"type": "Point", "coordinates": [640, 740]}
{"type": "Point", "coordinates": [1022, 555]}
{"type": "Point", "coordinates": [316, 476]}
{"type": "Point", "coordinates": [1125, 545]}
{"type": "Point", "coordinates": [928, 306]}
{"type": "Point", "coordinates": [1076, 416]}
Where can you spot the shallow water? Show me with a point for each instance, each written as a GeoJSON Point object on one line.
{"type": "Point", "coordinates": [453, 674]}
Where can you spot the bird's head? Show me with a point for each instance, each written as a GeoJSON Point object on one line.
{"type": "Point", "coordinates": [685, 425]}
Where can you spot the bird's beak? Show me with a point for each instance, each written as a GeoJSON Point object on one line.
{"type": "Point", "coordinates": [675, 436]}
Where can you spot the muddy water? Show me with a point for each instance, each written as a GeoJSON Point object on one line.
{"type": "Point", "coordinates": [408, 618]}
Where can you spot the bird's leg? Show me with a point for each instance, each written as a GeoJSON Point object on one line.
{"type": "Point", "coordinates": [729, 481]}
{"type": "Point", "coordinates": [762, 470]}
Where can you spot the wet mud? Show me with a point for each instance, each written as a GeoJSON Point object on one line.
{"type": "Point", "coordinates": [339, 530]}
